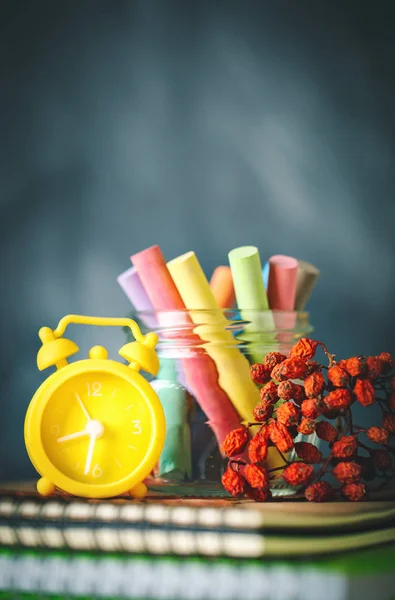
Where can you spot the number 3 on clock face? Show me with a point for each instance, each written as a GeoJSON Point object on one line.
{"type": "Point", "coordinates": [137, 429]}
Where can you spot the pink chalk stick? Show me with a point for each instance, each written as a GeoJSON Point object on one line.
{"type": "Point", "coordinates": [156, 279]}
{"type": "Point", "coordinates": [199, 369]}
{"type": "Point", "coordinates": [281, 289]}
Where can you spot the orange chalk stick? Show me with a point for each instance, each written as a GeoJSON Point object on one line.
{"type": "Point", "coordinates": [222, 287]}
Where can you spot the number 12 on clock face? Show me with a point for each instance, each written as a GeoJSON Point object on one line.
{"type": "Point", "coordinates": [94, 388]}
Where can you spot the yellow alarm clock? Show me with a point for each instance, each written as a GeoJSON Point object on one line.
{"type": "Point", "coordinates": [95, 428]}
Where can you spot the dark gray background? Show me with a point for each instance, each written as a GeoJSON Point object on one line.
{"type": "Point", "coordinates": [195, 125]}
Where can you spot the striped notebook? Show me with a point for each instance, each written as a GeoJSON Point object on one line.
{"type": "Point", "coordinates": [357, 576]}
{"type": "Point", "coordinates": [193, 527]}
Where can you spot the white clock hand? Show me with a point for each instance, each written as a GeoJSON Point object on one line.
{"type": "Point", "coordinates": [90, 455]}
{"type": "Point", "coordinates": [71, 436]}
{"type": "Point", "coordinates": [83, 407]}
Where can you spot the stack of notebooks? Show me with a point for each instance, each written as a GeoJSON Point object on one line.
{"type": "Point", "coordinates": [186, 549]}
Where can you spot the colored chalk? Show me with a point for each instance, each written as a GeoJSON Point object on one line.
{"type": "Point", "coordinates": [307, 277]}
{"type": "Point", "coordinates": [135, 291]}
{"type": "Point", "coordinates": [151, 267]}
{"type": "Point", "coordinates": [233, 368]}
{"type": "Point", "coordinates": [245, 264]}
{"type": "Point", "coordinates": [282, 282]}
{"type": "Point", "coordinates": [252, 301]}
{"type": "Point", "coordinates": [265, 274]}
{"type": "Point", "coordinates": [131, 284]}
{"type": "Point", "coordinates": [221, 284]}
{"type": "Point", "coordinates": [175, 461]}
{"type": "Point", "coordinates": [281, 294]}
{"type": "Point", "coordinates": [175, 457]}
{"type": "Point", "coordinates": [199, 370]}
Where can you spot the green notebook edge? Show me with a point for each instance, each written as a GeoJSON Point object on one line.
{"type": "Point", "coordinates": [368, 561]}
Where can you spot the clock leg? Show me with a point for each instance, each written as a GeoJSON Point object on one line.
{"type": "Point", "coordinates": [139, 491]}
{"type": "Point", "coordinates": [45, 487]}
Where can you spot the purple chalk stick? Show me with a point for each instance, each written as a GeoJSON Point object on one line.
{"type": "Point", "coordinates": [131, 284]}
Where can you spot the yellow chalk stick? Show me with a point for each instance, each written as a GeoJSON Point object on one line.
{"type": "Point", "coordinates": [233, 368]}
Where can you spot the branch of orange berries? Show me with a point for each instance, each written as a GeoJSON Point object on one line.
{"type": "Point", "coordinates": [289, 410]}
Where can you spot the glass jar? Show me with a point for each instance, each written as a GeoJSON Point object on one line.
{"type": "Point", "coordinates": [206, 390]}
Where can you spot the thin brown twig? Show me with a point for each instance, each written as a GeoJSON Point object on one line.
{"type": "Point", "coordinates": [238, 462]}
{"type": "Point", "coordinates": [330, 356]}
{"type": "Point", "coordinates": [277, 469]}
{"type": "Point", "coordinates": [321, 472]}
{"type": "Point", "coordinates": [349, 415]}
{"type": "Point", "coordinates": [370, 450]}
{"type": "Point", "coordinates": [283, 457]}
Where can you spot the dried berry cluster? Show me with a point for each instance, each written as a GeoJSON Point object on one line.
{"type": "Point", "coordinates": [296, 398]}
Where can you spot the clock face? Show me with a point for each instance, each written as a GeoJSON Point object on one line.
{"type": "Point", "coordinates": [96, 428]}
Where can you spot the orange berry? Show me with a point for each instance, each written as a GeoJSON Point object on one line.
{"type": "Point", "coordinates": [378, 435]}
{"type": "Point", "coordinates": [288, 414]}
{"type": "Point", "coordinates": [314, 384]}
{"type": "Point", "coordinates": [281, 437]}
{"type": "Point", "coordinates": [311, 408]}
{"type": "Point", "coordinates": [291, 368]}
{"type": "Point", "coordinates": [258, 448]}
{"type": "Point", "coordinates": [347, 472]}
{"type": "Point", "coordinates": [233, 482]}
{"type": "Point", "coordinates": [306, 426]}
{"type": "Point", "coordinates": [308, 452]}
{"type": "Point", "coordinates": [338, 398]}
{"type": "Point", "coordinates": [353, 491]}
{"type": "Point", "coordinates": [355, 366]}
{"type": "Point", "coordinates": [298, 473]}
{"type": "Point", "coordinates": [320, 491]}
{"type": "Point", "coordinates": [260, 373]}
{"type": "Point", "coordinates": [257, 476]}
{"type": "Point", "coordinates": [287, 390]}
{"type": "Point", "coordinates": [235, 442]}
{"type": "Point", "coordinates": [262, 412]}
{"type": "Point", "coordinates": [325, 431]}
{"type": "Point", "coordinates": [259, 495]}
{"type": "Point", "coordinates": [374, 367]}
{"type": "Point", "coordinates": [272, 359]}
{"type": "Point", "coordinates": [269, 393]}
{"type": "Point", "coordinates": [304, 348]}
{"type": "Point", "coordinates": [346, 447]}
{"type": "Point", "coordinates": [386, 361]}
{"type": "Point", "coordinates": [338, 376]}
{"type": "Point", "coordinates": [364, 392]}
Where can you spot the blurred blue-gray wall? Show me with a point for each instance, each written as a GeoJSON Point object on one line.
{"type": "Point", "coordinates": [195, 125]}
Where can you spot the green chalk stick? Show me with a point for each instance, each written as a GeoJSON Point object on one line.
{"type": "Point", "coordinates": [246, 267]}
{"type": "Point", "coordinates": [175, 462]}
{"type": "Point", "coordinates": [252, 302]}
